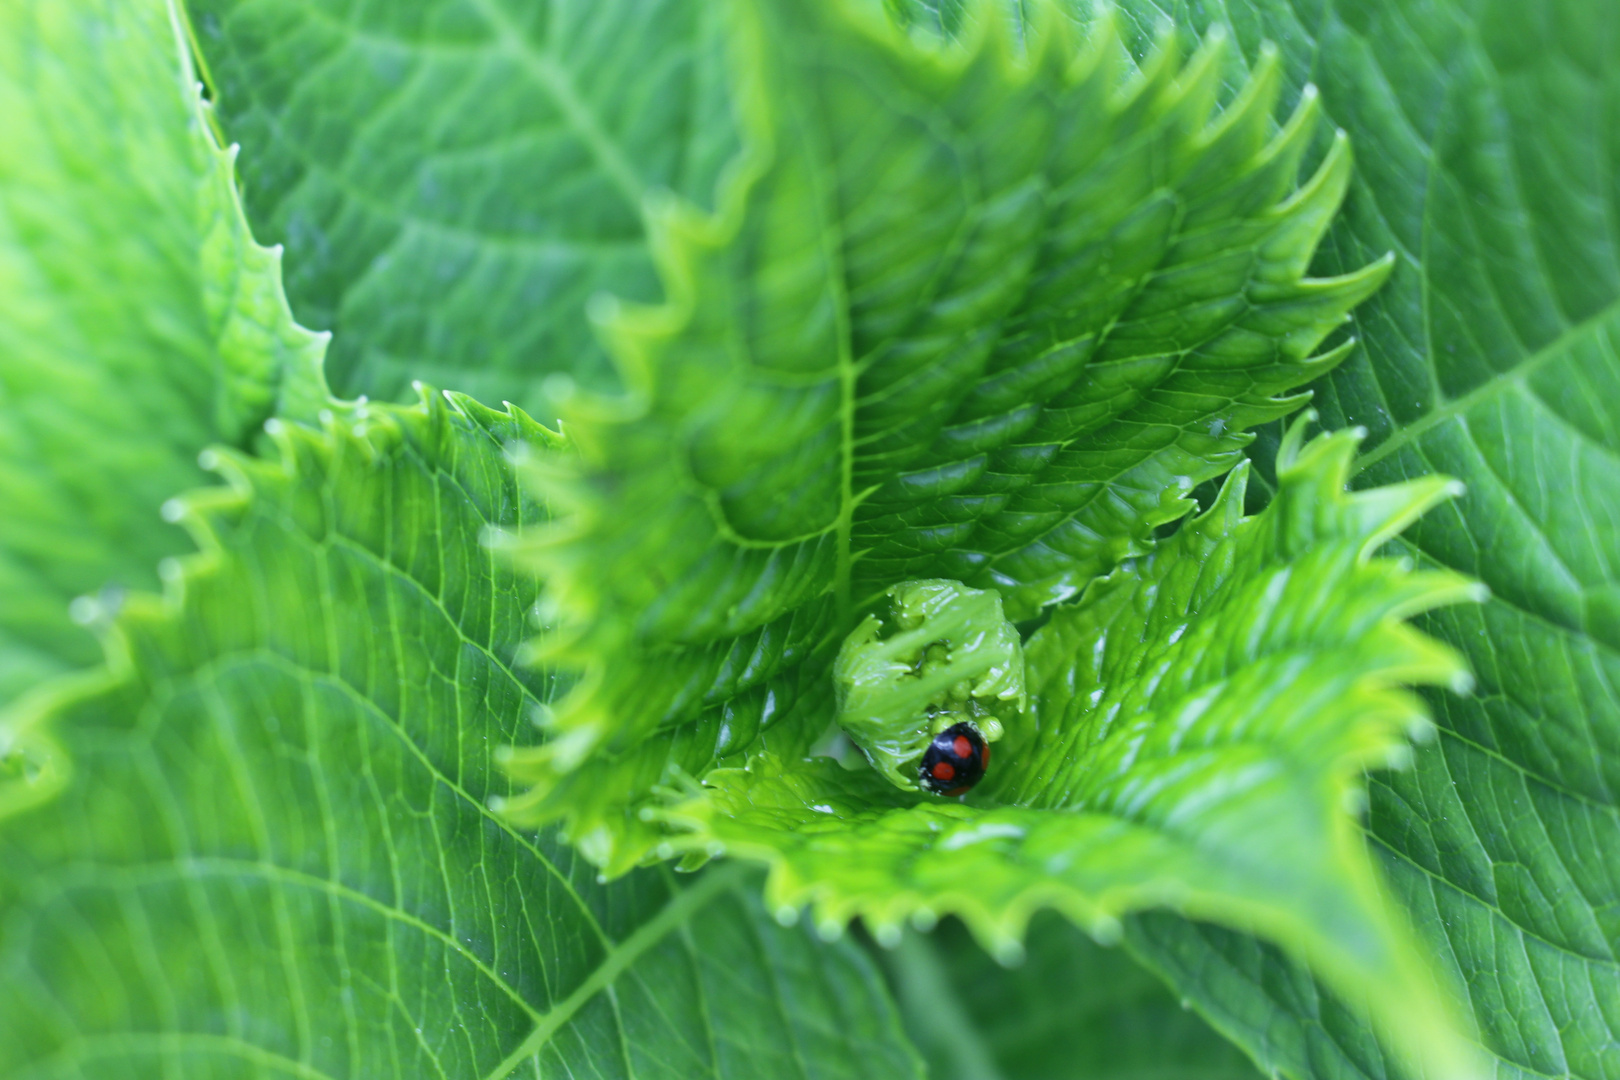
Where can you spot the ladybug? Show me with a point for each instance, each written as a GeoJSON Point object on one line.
{"type": "Point", "coordinates": [955, 760]}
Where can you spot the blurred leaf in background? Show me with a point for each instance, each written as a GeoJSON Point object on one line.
{"type": "Point", "coordinates": [1071, 1009]}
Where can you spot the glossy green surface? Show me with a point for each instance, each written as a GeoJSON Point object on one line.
{"type": "Point", "coordinates": [940, 654]}
{"type": "Point", "coordinates": [983, 312]}
{"type": "Point", "coordinates": [260, 845]}
{"type": "Point", "coordinates": [1493, 355]}
{"type": "Point", "coordinates": [982, 299]}
{"type": "Point", "coordinates": [258, 841]}
{"type": "Point", "coordinates": [122, 353]}
{"type": "Point", "coordinates": [1199, 723]}
{"type": "Point", "coordinates": [456, 179]}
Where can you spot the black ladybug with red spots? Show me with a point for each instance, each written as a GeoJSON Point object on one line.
{"type": "Point", "coordinates": [955, 760]}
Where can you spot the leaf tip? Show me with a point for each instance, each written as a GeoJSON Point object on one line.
{"type": "Point", "coordinates": [1008, 952]}
{"type": "Point", "coordinates": [1106, 929]}
{"type": "Point", "coordinates": [1293, 439]}
{"type": "Point", "coordinates": [887, 934]}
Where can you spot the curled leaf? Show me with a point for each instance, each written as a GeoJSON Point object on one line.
{"type": "Point", "coordinates": [983, 310]}
{"type": "Point", "coordinates": [1199, 725]}
{"type": "Point", "coordinates": [950, 657]}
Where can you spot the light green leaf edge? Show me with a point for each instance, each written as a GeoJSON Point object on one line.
{"type": "Point", "coordinates": [205, 890]}
{"type": "Point", "coordinates": [106, 397]}
{"type": "Point", "coordinates": [690, 638]}
{"type": "Point", "coordinates": [1164, 764]}
{"type": "Point", "coordinates": [34, 768]}
{"type": "Point", "coordinates": [451, 225]}
{"type": "Point", "coordinates": [1494, 356]}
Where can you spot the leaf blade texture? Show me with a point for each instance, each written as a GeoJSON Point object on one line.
{"type": "Point", "coordinates": [1072, 1008]}
{"type": "Point", "coordinates": [257, 842]}
{"type": "Point", "coordinates": [455, 181]}
{"type": "Point", "coordinates": [939, 359]}
{"type": "Point", "coordinates": [1199, 727]}
{"type": "Point", "coordinates": [1490, 356]}
{"type": "Point", "coordinates": [261, 843]}
{"type": "Point", "coordinates": [121, 355]}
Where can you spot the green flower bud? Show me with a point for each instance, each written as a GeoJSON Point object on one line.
{"type": "Point", "coordinates": [942, 653]}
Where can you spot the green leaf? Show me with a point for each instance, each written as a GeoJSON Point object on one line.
{"type": "Point", "coordinates": [946, 19]}
{"type": "Point", "coordinates": [454, 180]}
{"type": "Point", "coordinates": [1494, 356]}
{"type": "Point", "coordinates": [260, 845]}
{"type": "Point", "coordinates": [1258, 998]}
{"type": "Point", "coordinates": [1072, 1009]}
{"type": "Point", "coordinates": [981, 312]}
{"type": "Point", "coordinates": [139, 322]}
{"type": "Point", "coordinates": [1198, 728]}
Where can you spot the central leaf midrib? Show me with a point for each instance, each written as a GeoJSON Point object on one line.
{"type": "Point", "coordinates": [560, 87]}
{"type": "Point", "coordinates": [829, 211]}
{"type": "Point", "coordinates": [849, 367]}
{"type": "Point", "coordinates": [1498, 383]}
{"type": "Point", "coordinates": [102, 1045]}
{"type": "Point", "coordinates": [1435, 878]}
{"type": "Point", "coordinates": [190, 868]}
{"type": "Point", "coordinates": [298, 671]}
{"type": "Point", "coordinates": [674, 914]}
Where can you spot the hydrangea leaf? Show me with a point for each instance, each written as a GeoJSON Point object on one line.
{"type": "Point", "coordinates": [1494, 356]}
{"type": "Point", "coordinates": [1200, 723]}
{"type": "Point", "coordinates": [982, 312]}
{"type": "Point", "coordinates": [1072, 1009]}
{"type": "Point", "coordinates": [259, 844]}
{"type": "Point", "coordinates": [122, 352]}
{"type": "Point", "coordinates": [454, 180]}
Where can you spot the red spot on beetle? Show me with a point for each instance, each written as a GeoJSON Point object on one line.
{"type": "Point", "coordinates": [962, 747]}
{"type": "Point", "coordinates": [944, 770]}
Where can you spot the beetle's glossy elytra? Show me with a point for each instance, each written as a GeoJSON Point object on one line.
{"type": "Point", "coordinates": [955, 760]}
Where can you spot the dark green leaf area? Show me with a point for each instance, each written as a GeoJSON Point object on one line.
{"type": "Point", "coordinates": [139, 322]}
{"type": "Point", "coordinates": [1494, 356]}
{"type": "Point", "coordinates": [1502, 839]}
{"type": "Point", "coordinates": [1070, 1009]}
{"type": "Point", "coordinates": [1199, 724]}
{"type": "Point", "coordinates": [1262, 1001]}
{"type": "Point", "coordinates": [261, 844]}
{"type": "Point", "coordinates": [983, 312]}
{"type": "Point", "coordinates": [454, 181]}
{"type": "Point", "coordinates": [1516, 808]}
